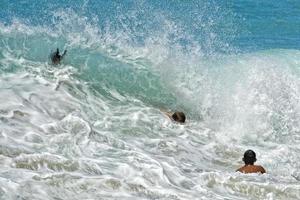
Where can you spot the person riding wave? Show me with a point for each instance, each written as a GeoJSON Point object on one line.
{"type": "Point", "coordinates": [56, 57]}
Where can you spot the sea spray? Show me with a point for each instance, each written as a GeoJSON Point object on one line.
{"type": "Point", "coordinates": [92, 127]}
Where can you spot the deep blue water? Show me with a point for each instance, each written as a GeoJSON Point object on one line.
{"type": "Point", "coordinates": [243, 24]}
{"type": "Point", "coordinates": [94, 127]}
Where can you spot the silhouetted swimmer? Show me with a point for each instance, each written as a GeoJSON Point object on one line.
{"type": "Point", "coordinates": [249, 167]}
{"type": "Point", "coordinates": [176, 116]}
{"type": "Point", "coordinates": [56, 57]}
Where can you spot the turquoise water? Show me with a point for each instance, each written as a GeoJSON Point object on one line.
{"type": "Point", "coordinates": [92, 127]}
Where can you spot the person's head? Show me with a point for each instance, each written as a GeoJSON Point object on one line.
{"type": "Point", "coordinates": [179, 117]}
{"type": "Point", "coordinates": [57, 52]}
{"type": "Point", "coordinates": [249, 157]}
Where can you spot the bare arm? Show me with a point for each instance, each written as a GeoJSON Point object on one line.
{"type": "Point", "coordinates": [239, 169]}
{"type": "Point", "coordinates": [168, 113]}
{"type": "Point", "coordinates": [65, 52]}
{"type": "Point", "coordinates": [262, 170]}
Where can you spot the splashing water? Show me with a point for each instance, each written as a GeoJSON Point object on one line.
{"type": "Point", "coordinates": [91, 128]}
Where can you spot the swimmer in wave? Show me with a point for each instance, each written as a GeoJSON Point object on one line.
{"type": "Point", "coordinates": [176, 116]}
{"type": "Point", "coordinates": [56, 57]}
{"type": "Point", "coordinates": [249, 167]}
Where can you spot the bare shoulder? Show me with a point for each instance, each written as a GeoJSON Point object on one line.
{"type": "Point", "coordinates": [251, 169]}
{"type": "Point", "coordinates": [240, 169]}
{"type": "Point", "coordinates": [166, 112]}
{"type": "Point", "coordinates": [261, 169]}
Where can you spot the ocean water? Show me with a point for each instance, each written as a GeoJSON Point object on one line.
{"type": "Point", "coordinates": [92, 127]}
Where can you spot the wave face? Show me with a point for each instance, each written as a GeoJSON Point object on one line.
{"type": "Point", "coordinates": [91, 128]}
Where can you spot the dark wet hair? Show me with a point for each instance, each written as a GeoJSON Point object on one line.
{"type": "Point", "coordinates": [57, 52]}
{"type": "Point", "coordinates": [56, 57]}
{"type": "Point", "coordinates": [249, 157]}
{"type": "Point", "coordinates": [178, 117]}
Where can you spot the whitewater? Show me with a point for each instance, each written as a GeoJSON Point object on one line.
{"type": "Point", "coordinates": [92, 127]}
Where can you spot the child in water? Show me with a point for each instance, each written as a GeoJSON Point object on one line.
{"type": "Point", "coordinates": [249, 167]}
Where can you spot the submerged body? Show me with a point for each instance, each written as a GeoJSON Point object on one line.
{"type": "Point", "coordinates": [56, 57]}
{"type": "Point", "coordinates": [246, 169]}
{"type": "Point", "coordinates": [249, 167]}
{"type": "Point", "coordinates": [176, 116]}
